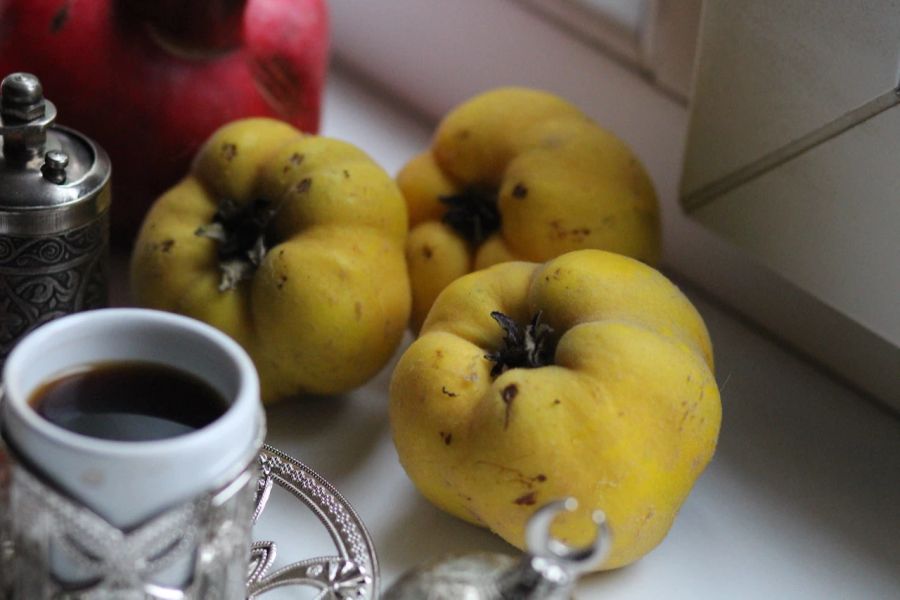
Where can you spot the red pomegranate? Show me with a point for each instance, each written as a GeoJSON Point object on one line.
{"type": "Point", "coordinates": [150, 81]}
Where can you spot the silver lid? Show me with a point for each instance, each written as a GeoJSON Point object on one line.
{"type": "Point", "coordinates": [51, 178]}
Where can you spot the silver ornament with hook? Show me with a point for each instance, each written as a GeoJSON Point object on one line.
{"type": "Point", "coordinates": [548, 571]}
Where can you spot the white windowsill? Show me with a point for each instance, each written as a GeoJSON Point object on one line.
{"type": "Point", "coordinates": [800, 501]}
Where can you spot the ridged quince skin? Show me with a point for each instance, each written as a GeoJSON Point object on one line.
{"type": "Point", "coordinates": [293, 245]}
{"type": "Point", "coordinates": [521, 174]}
{"type": "Point", "coordinates": [588, 376]}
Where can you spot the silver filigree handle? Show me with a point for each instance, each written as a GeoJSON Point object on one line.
{"type": "Point", "coordinates": [351, 573]}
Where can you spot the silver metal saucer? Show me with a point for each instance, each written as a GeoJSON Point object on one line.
{"type": "Point", "coordinates": [351, 573]}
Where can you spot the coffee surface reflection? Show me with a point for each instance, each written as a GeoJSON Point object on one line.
{"type": "Point", "coordinates": [128, 401]}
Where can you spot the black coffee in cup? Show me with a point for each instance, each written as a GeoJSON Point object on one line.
{"type": "Point", "coordinates": [128, 401]}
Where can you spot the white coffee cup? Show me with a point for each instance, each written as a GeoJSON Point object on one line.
{"type": "Point", "coordinates": [128, 482]}
{"type": "Point", "coordinates": [131, 483]}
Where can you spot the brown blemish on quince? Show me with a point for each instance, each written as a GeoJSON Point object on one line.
{"type": "Point", "coordinates": [294, 161]}
{"type": "Point", "coordinates": [644, 520]}
{"type": "Point", "coordinates": [229, 151]}
{"type": "Point", "coordinates": [526, 499]}
{"type": "Point", "coordinates": [515, 474]}
{"type": "Point", "coordinates": [508, 394]}
{"type": "Point", "coordinates": [475, 516]}
{"type": "Point", "coordinates": [577, 233]}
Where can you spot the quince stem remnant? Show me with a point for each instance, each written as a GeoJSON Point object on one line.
{"type": "Point", "coordinates": [240, 232]}
{"type": "Point", "coordinates": [473, 213]}
{"type": "Point", "coordinates": [524, 346]}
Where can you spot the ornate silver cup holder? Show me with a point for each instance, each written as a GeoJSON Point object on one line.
{"type": "Point", "coordinates": [118, 564]}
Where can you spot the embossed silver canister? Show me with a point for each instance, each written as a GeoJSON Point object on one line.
{"type": "Point", "coordinates": [54, 207]}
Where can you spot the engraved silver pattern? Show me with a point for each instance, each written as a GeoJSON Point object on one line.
{"type": "Point", "coordinates": [105, 562]}
{"type": "Point", "coordinates": [45, 277]}
{"type": "Point", "coordinates": [108, 563]}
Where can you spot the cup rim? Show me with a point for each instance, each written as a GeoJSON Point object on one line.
{"type": "Point", "coordinates": [247, 391]}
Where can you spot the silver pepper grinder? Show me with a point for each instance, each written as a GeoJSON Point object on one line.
{"type": "Point", "coordinates": [54, 214]}
{"type": "Point", "coordinates": [548, 571]}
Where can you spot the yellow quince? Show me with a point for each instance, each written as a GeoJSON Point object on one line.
{"type": "Point", "coordinates": [290, 243]}
{"type": "Point", "coordinates": [520, 174]}
{"type": "Point", "coordinates": [588, 376]}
